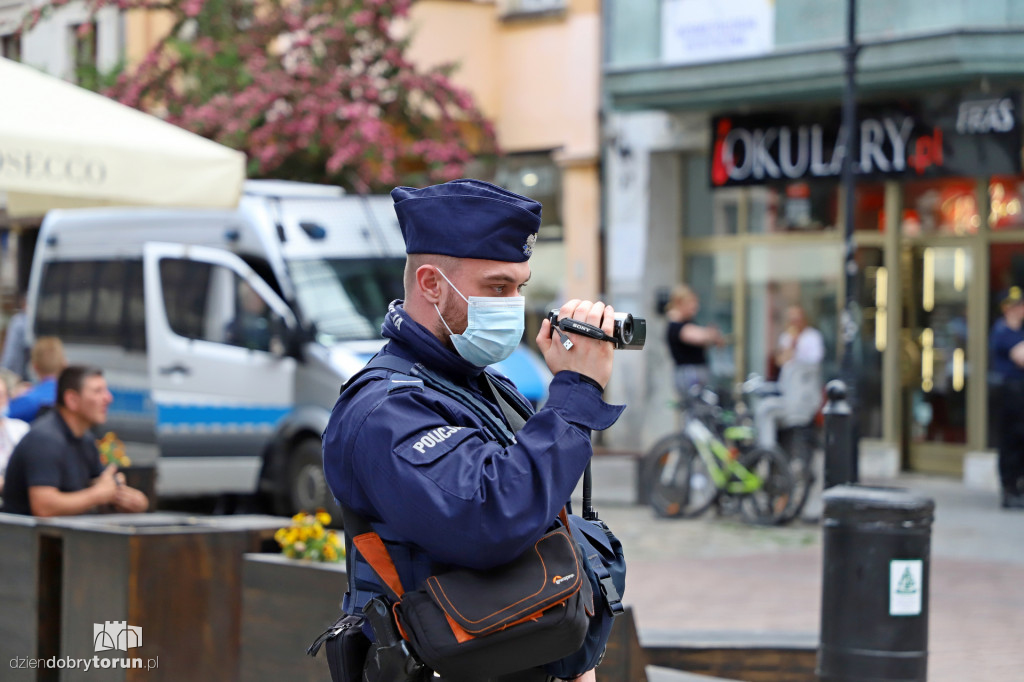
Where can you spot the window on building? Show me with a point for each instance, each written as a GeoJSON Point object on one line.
{"type": "Point", "coordinates": [770, 209]}
{"type": "Point", "coordinates": [10, 47]}
{"type": "Point", "coordinates": [536, 176]}
{"type": "Point", "coordinates": [940, 207]}
{"type": "Point", "coordinates": [515, 8]}
{"type": "Point", "coordinates": [84, 52]}
{"type": "Point", "coordinates": [1006, 196]}
{"type": "Point", "coordinates": [793, 207]}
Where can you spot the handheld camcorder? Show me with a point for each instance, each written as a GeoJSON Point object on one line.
{"type": "Point", "coordinates": [629, 332]}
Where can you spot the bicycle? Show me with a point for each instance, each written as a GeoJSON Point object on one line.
{"type": "Point", "coordinates": [709, 461]}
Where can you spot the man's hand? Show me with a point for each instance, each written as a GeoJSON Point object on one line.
{"type": "Point", "coordinates": [104, 487]}
{"type": "Point", "coordinates": [130, 500]}
{"type": "Point", "coordinates": [127, 499]}
{"type": "Point", "coordinates": [587, 356]}
{"type": "Point", "coordinates": [50, 501]}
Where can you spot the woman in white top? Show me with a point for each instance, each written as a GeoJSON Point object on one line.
{"type": "Point", "coordinates": [799, 356]}
{"type": "Point", "coordinates": [11, 431]}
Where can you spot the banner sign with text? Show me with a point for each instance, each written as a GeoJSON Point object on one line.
{"type": "Point", "coordinates": [696, 31]}
{"type": "Point", "coordinates": [968, 137]}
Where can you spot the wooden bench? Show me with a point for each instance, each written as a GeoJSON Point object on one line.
{"type": "Point", "coordinates": [670, 656]}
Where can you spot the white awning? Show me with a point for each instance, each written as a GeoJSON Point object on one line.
{"type": "Point", "coordinates": [63, 146]}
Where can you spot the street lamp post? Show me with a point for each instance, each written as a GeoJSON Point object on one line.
{"type": "Point", "coordinates": [849, 320]}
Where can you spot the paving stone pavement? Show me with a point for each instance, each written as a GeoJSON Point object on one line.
{"type": "Point", "coordinates": [716, 578]}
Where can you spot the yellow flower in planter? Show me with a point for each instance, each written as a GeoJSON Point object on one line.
{"type": "Point", "coordinates": [306, 538]}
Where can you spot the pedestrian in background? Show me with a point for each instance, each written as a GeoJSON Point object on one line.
{"type": "Point", "coordinates": [15, 355]}
{"type": "Point", "coordinates": [48, 360]}
{"type": "Point", "coordinates": [688, 341]}
{"type": "Point", "coordinates": [798, 354]}
{"type": "Point", "coordinates": [1006, 346]}
{"type": "Point", "coordinates": [11, 430]}
{"type": "Point", "coordinates": [55, 469]}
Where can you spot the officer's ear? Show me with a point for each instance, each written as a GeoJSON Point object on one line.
{"type": "Point", "coordinates": [429, 282]}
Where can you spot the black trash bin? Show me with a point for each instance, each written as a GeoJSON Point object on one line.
{"type": "Point", "coordinates": [874, 606]}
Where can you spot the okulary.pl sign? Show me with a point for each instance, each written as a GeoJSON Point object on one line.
{"type": "Point", "coordinates": [967, 138]}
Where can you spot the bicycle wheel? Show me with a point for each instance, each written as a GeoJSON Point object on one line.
{"type": "Point", "coordinates": [798, 444]}
{"type": "Point", "coordinates": [677, 479]}
{"type": "Point", "coordinates": [769, 504]}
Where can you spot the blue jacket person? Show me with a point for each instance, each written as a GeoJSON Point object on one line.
{"type": "Point", "coordinates": [420, 466]}
{"type": "Point", "coordinates": [1006, 343]}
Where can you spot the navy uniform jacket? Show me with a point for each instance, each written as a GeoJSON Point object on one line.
{"type": "Point", "coordinates": [420, 467]}
{"type": "Point", "coordinates": [1001, 340]}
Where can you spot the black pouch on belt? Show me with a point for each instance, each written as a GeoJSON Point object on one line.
{"type": "Point", "coordinates": [346, 647]}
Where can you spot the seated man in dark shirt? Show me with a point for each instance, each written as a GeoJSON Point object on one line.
{"type": "Point", "coordinates": [55, 469]}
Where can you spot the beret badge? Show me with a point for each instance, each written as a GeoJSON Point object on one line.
{"type": "Point", "coordinates": [528, 246]}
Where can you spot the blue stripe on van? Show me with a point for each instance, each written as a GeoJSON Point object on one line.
{"type": "Point", "coordinates": [131, 402]}
{"type": "Point", "coordinates": [236, 416]}
{"type": "Point", "coordinates": [139, 403]}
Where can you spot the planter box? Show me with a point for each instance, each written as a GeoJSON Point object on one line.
{"type": "Point", "coordinates": [175, 578]}
{"type": "Point", "coordinates": [286, 603]}
{"type": "Point", "coordinates": [29, 596]}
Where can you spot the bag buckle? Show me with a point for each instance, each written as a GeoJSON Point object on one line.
{"type": "Point", "coordinates": [612, 597]}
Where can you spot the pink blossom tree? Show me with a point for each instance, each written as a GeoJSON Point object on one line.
{"type": "Point", "coordinates": [315, 90]}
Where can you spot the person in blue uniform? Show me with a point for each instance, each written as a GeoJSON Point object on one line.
{"type": "Point", "coordinates": [1006, 346]}
{"type": "Point", "coordinates": [419, 466]}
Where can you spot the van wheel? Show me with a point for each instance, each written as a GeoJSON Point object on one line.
{"type": "Point", "coordinates": [307, 487]}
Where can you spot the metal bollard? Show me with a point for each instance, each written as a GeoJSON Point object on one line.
{"type": "Point", "coordinates": [840, 453]}
{"type": "Point", "coordinates": [874, 605]}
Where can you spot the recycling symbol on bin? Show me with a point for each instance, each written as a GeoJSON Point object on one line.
{"type": "Point", "coordinates": [906, 584]}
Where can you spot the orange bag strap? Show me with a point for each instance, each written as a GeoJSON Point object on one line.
{"type": "Point", "coordinates": [373, 549]}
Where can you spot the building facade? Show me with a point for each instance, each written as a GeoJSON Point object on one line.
{"type": "Point", "coordinates": [533, 67]}
{"type": "Point", "coordinates": [724, 146]}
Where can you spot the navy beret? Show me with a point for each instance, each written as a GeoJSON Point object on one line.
{"type": "Point", "coordinates": [467, 219]}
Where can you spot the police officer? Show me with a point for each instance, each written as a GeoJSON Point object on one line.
{"type": "Point", "coordinates": [421, 467]}
{"type": "Point", "coordinates": [1006, 345]}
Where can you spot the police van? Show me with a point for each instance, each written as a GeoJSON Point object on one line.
{"type": "Point", "coordinates": [226, 334]}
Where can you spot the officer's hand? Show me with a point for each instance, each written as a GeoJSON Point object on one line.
{"type": "Point", "coordinates": [587, 356]}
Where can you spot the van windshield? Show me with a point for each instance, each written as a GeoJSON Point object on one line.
{"type": "Point", "coordinates": [346, 298]}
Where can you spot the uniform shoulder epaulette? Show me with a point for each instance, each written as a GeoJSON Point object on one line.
{"type": "Point", "coordinates": [404, 381]}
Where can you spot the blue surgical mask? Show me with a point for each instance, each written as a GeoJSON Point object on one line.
{"type": "Point", "coordinates": [495, 327]}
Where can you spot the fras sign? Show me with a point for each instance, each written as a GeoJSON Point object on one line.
{"type": "Point", "coordinates": [970, 137]}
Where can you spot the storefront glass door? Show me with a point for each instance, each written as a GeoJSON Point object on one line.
{"type": "Point", "coordinates": [935, 366]}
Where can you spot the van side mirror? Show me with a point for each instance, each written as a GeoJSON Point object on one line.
{"type": "Point", "coordinates": [292, 339]}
